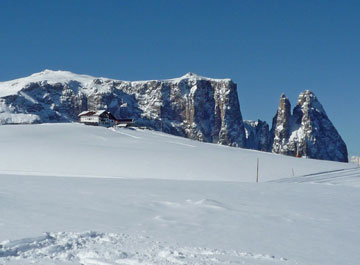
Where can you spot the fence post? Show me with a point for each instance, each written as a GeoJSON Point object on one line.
{"type": "Point", "coordinates": [257, 171]}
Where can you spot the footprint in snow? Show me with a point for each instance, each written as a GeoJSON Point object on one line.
{"type": "Point", "coordinates": [92, 248]}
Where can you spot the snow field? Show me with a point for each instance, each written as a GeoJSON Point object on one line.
{"type": "Point", "coordinates": [85, 151]}
{"type": "Point", "coordinates": [348, 177]}
{"type": "Point", "coordinates": [74, 194]}
{"type": "Point", "coordinates": [169, 222]}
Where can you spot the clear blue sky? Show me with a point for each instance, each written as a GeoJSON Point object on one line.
{"type": "Point", "coordinates": [267, 47]}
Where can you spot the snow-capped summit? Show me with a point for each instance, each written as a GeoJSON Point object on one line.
{"type": "Point", "coordinates": [60, 76]}
{"type": "Point", "coordinates": [195, 77]}
{"type": "Point", "coordinates": [49, 76]}
{"type": "Point", "coordinates": [189, 75]}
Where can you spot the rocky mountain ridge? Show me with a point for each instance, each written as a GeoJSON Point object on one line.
{"type": "Point", "coordinates": [308, 132]}
{"type": "Point", "coordinates": [191, 106]}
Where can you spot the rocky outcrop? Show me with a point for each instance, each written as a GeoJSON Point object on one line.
{"type": "Point", "coordinates": [308, 132]}
{"type": "Point", "coordinates": [196, 107]}
{"type": "Point", "coordinates": [257, 135]}
{"type": "Point", "coordinates": [281, 127]}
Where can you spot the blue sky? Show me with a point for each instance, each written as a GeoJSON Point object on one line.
{"type": "Point", "coordinates": [266, 47]}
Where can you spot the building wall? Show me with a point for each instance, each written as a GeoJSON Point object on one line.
{"type": "Point", "coordinates": [106, 122]}
{"type": "Point", "coordinates": [92, 119]}
{"type": "Point", "coordinates": [101, 121]}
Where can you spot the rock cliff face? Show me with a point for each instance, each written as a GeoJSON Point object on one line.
{"type": "Point", "coordinates": [308, 132]}
{"type": "Point", "coordinates": [257, 135]}
{"type": "Point", "coordinates": [281, 128]}
{"type": "Point", "coordinates": [191, 106]}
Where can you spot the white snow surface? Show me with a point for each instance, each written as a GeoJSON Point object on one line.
{"type": "Point", "coordinates": [49, 76]}
{"type": "Point", "coordinates": [12, 87]}
{"type": "Point", "coordinates": [79, 150]}
{"type": "Point", "coordinates": [188, 75]}
{"type": "Point", "coordinates": [76, 194]}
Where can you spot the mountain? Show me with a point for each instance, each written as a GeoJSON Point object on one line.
{"type": "Point", "coordinates": [191, 106]}
{"type": "Point", "coordinates": [308, 132]}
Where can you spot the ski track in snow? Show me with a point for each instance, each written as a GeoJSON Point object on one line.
{"type": "Point", "coordinates": [188, 145]}
{"type": "Point", "coordinates": [161, 134]}
{"type": "Point", "coordinates": [107, 248]}
{"type": "Point", "coordinates": [127, 134]}
{"type": "Point", "coordinates": [345, 177]}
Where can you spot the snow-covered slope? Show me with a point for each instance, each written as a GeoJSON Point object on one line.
{"type": "Point", "coordinates": [46, 220]}
{"type": "Point", "coordinates": [75, 194]}
{"type": "Point", "coordinates": [348, 177]}
{"type": "Point", "coordinates": [79, 150]}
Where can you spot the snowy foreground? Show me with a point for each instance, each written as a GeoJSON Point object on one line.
{"type": "Point", "coordinates": [73, 194]}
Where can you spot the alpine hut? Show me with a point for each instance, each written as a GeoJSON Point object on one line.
{"type": "Point", "coordinates": [97, 118]}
